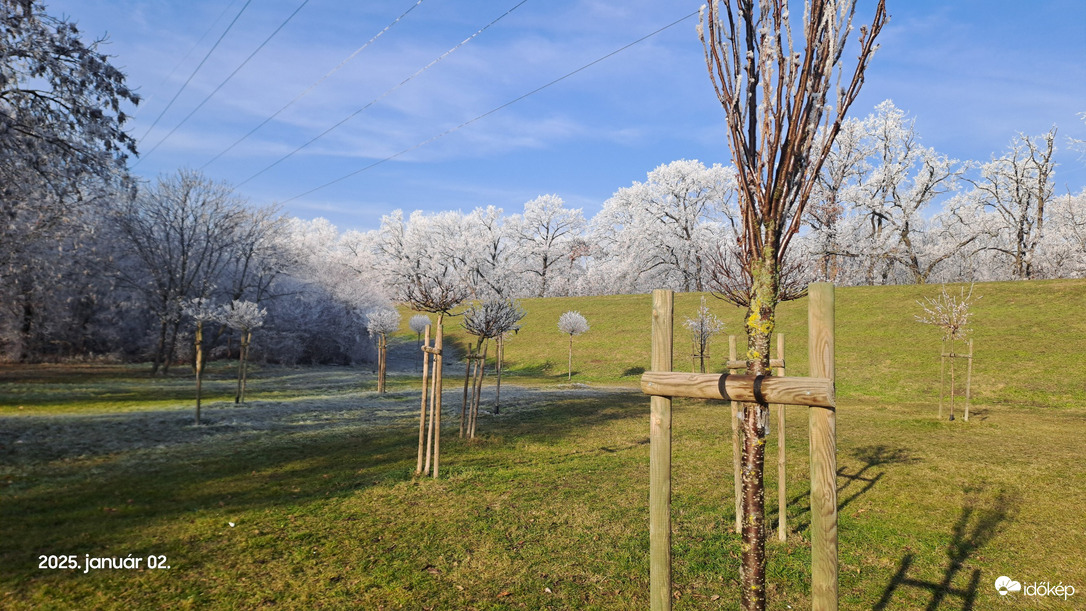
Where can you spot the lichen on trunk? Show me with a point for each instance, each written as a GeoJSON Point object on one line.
{"type": "Point", "coordinates": [760, 321]}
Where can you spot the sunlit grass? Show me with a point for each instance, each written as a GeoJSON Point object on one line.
{"type": "Point", "coordinates": [548, 509]}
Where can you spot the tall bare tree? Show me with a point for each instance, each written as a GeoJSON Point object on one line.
{"type": "Point", "coordinates": [776, 94]}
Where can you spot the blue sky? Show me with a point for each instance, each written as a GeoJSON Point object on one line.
{"type": "Point", "coordinates": [972, 73]}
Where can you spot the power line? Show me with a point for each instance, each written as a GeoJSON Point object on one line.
{"type": "Point", "coordinates": [189, 79]}
{"type": "Point", "coordinates": [383, 95]}
{"type": "Point", "coordinates": [226, 80]}
{"type": "Point", "coordinates": [311, 87]}
{"type": "Point", "coordinates": [191, 49]}
{"type": "Point", "coordinates": [489, 112]}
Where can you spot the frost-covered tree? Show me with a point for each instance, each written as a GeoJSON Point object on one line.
{"type": "Point", "coordinates": [381, 323]}
{"type": "Point", "coordinates": [899, 182]}
{"type": "Point", "coordinates": [244, 316]}
{"type": "Point", "coordinates": [425, 267]}
{"type": "Point", "coordinates": [777, 92]}
{"type": "Point", "coordinates": [418, 324]}
{"type": "Point", "coordinates": [572, 323]}
{"type": "Point", "coordinates": [180, 233]}
{"type": "Point", "coordinates": [661, 232]}
{"type": "Point", "coordinates": [546, 236]}
{"type": "Point", "coordinates": [61, 124]}
{"type": "Point", "coordinates": [1017, 188]}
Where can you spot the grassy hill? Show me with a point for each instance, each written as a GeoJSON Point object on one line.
{"type": "Point", "coordinates": [1028, 339]}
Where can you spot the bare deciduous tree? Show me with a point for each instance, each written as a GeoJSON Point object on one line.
{"type": "Point", "coordinates": [776, 94]}
{"type": "Point", "coordinates": [702, 328]}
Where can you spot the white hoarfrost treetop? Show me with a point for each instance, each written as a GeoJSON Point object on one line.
{"type": "Point", "coordinates": [572, 323]}
{"type": "Point", "coordinates": [383, 321]}
{"type": "Point", "coordinates": [200, 310]}
{"type": "Point", "coordinates": [419, 322]}
{"type": "Point", "coordinates": [242, 315]}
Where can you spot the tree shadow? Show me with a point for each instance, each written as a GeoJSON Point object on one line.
{"type": "Point", "coordinates": [855, 484]}
{"type": "Point", "coordinates": [978, 523]}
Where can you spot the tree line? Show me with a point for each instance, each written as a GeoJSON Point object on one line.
{"type": "Point", "coordinates": [97, 264]}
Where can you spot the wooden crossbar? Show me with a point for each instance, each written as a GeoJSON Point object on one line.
{"type": "Point", "coordinates": [811, 392]}
{"type": "Point", "coordinates": [743, 364]}
{"type": "Point", "coordinates": [817, 392]}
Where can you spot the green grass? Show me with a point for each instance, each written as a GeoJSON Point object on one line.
{"type": "Point", "coordinates": [1025, 348]}
{"type": "Point", "coordinates": [548, 509]}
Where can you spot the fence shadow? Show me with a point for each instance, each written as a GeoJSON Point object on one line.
{"type": "Point", "coordinates": [978, 523]}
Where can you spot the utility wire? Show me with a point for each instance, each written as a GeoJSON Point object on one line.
{"type": "Point", "coordinates": [311, 87]}
{"type": "Point", "coordinates": [200, 65]}
{"type": "Point", "coordinates": [226, 80]}
{"type": "Point", "coordinates": [383, 95]}
{"type": "Point", "coordinates": [489, 112]}
{"type": "Point", "coordinates": [191, 49]}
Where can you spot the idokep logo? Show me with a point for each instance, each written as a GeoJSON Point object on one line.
{"type": "Point", "coordinates": [1006, 584]}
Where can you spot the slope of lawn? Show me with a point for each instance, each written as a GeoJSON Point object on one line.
{"type": "Point", "coordinates": [1028, 338]}
{"type": "Point", "coordinates": [548, 509]}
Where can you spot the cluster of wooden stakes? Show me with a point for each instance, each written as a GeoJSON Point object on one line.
{"type": "Point", "coordinates": [816, 392]}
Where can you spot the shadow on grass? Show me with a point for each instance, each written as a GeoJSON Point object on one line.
{"type": "Point", "coordinates": [978, 523]}
{"type": "Point", "coordinates": [102, 503]}
{"type": "Point", "coordinates": [855, 485]}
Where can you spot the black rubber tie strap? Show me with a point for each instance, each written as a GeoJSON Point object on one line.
{"type": "Point", "coordinates": [720, 386]}
{"type": "Point", "coordinates": [758, 396]}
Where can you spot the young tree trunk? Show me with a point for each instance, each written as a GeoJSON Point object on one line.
{"type": "Point", "coordinates": [760, 320]}
{"type": "Point", "coordinates": [422, 411]}
{"type": "Point", "coordinates": [199, 365]}
{"type": "Point", "coordinates": [382, 361]}
{"type": "Point", "coordinates": [569, 368]}
{"type": "Point", "coordinates": [499, 349]}
{"type": "Point", "coordinates": [437, 392]}
{"type": "Point", "coordinates": [480, 372]}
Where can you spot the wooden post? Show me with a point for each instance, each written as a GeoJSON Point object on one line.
{"type": "Point", "coordinates": [782, 498]}
{"type": "Point", "coordinates": [942, 377]}
{"type": "Point", "coordinates": [968, 379]}
{"type": "Point", "coordinates": [437, 393]}
{"type": "Point", "coordinates": [823, 434]}
{"type": "Point", "coordinates": [422, 414]}
{"type": "Point", "coordinates": [737, 446]}
{"type": "Point", "coordinates": [660, 457]}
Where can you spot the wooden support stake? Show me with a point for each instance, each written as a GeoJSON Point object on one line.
{"type": "Point", "coordinates": [437, 392]}
{"type": "Point", "coordinates": [660, 457]}
{"type": "Point", "coordinates": [823, 434]}
{"type": "Point", "coordinates": [737, 443]}
{"type": "Point", "coordinates": [942, 377]}
{"type": "Point", "coordinates": [968, 380]}
{"type": "Point", "coordinates": [782, 497]}
{"type": "Point", "coordinates": [422, 415]}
